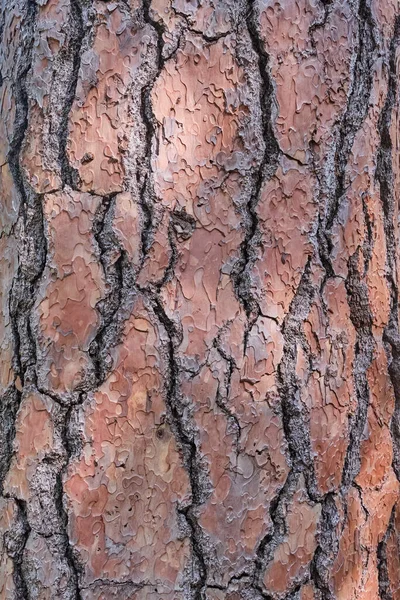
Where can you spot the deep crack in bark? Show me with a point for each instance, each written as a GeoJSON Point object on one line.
{"type": "Point", "coordinates": [385, 178]}
{"type": "Point", "coordinates": [266, 169]}
{"type": "Point", "coordinates": [70, 175]}
{"type": "Point", "coordinates": [354, 116]}
{"type": "Point", "coordinates": [385, 592]}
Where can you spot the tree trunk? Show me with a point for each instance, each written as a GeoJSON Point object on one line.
{"type": "Point", "coordinates": [200, 346]}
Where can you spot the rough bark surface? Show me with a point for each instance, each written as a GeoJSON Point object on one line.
{"type": "Point", "coordinates": [199, 262]}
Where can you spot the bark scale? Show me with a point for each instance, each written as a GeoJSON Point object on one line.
{"type": "Point", "coordinates": [200, 347]}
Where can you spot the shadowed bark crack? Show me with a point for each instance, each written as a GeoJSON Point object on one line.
{"type": "Point", "coordinates": [353, 118]}
{"type": "Point", "coordinates": [357, 105]}
{"type": "Point", "coordinates": [15, 542]}
{"type": "Point", "coordinates": [295, 424]}
{"type": "Point", "coordinates": [383, 574]}
{"type": "Point", "coordinates": [185, 436]}
{"type": "Point", "coordinates": [119, 275]}
{"type": "Point", "coordinates": [222, 398]}
{"type": "Point", "coordinates": [267, 168]}
{"type": "Point", "coordinates": [30, 228]}
{"type": "Point", "coordinates": [385, 178]}
{"type": "Point", "coordinates": [9, 404]}
{"type": "Point", "coordinates": [295, 418]}
{"type": "Point", "coordinates": [328, 547]}
{"type": "Point", "coordinates": [360, 315]}
{"type": "Point", "coordinates": [70, 175]}
{"type": "Point", "coordinates": [268, 545]}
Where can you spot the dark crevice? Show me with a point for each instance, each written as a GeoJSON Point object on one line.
{"type": "Point", "coordinates": [268, 545]}
{"type": "Point", "coordinates": [383, 574]}
{"type": "Point", "coordinates": [188, 27]}
{"type": "Point", "coordinates": [267, 167]}
{"type": "Point", "coordinates": [119, 275]}
{"type": "Point", "coordinates": [294, 414]}
{"type": "Point", "coordinates": [169, 271]}
{"type": "Point", "coordinates": [327, 4]}
{"type": "Point", "coordinates": [357, 105]}
{"type": "Point", "coordinates": [70, 175]}
{"type": "Point", "coordinates": [327, 549]}
{"type": "Point", "coordinates": [69, 553]}
{"type": "Point", "coordinates": [159, 27]}
{"type": "Point", "coordinates": [186, 441]}
{"type": "Point", "coordinates": [385, 177]}
{"type": "Point", "coordinates": [2, 40]}
{"type": "Point", "coordinates": [15, 542]}
{"type": "Point", "coordinates": [360, 315]}
{"type": "Point", "coordinates": [9, 405]}
{"type": "Point", "coordinates": [368, 242]}
{"type": "Point", "coordinates": [222, 397]}
{"type": "Point", "coordinates": [30, 234]}
{"type": "Point", "coordinates": [147, 200]}
{"type": "Point", "coordinates": [355, 113]}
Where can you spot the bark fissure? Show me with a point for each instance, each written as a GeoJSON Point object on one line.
{"type": "Point", "coordinates": [119, 276]}
{"type": "Point", "coordinates": [327, 549]}
{"type": "Point", "coordinates": [186, 441]}
{"type": "Point", "coordinates": [268, 545]}
{"type": "Point", "coordinates": [383, 574]}
{"type": "Point", "coordinates": [361, 318]}
{"type": "Point", "coordinates": [69, 174]}
{"type": "Point", "coordinates": [294, 423]}
{"type": "Point", "coordinates": [15, 545]}
{"type": "Point", "coordinates": [354, 115]}
{"type": "Point", "coordinates": [30, 225]}
{"type": "Point", "coordinates": [385, 178]}
{"type": "Point", "coordinates": [295, 418]}
{"type": "Point", "coordinates": [222, 398]}
{"type": "Point", "coordinates": [357, 105]}
{"type": "Point", "coordinates": [266, 169]}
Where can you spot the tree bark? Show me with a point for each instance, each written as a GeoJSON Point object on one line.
{"type": "Point", "coordinates": [200, 348]}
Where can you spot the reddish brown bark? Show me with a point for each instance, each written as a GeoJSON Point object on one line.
{"type": "Point", "coordinates": [200, 376]}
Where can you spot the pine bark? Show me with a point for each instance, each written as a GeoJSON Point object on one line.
{"type": "Point", "coordinates": [199, 261]}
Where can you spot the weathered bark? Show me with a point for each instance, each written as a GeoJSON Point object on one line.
{"type": "Point", "coordinates": [200, 346]}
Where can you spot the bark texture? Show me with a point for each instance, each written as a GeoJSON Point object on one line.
{"type": "Point", "coordinates": [199, 261]}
